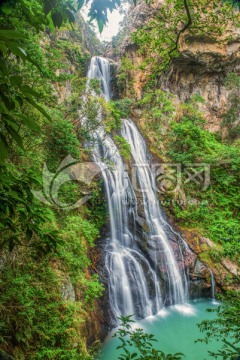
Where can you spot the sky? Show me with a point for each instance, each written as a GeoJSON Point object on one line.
{"type": "Point", "coordinates": [111, 28]}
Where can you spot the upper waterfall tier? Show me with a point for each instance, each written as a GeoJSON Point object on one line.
{"type": "Point", "coordinates": [100, 69]}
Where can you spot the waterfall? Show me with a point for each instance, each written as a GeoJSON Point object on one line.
{"type": "Point", "coordinates": [100, 69]}
{"type": "Point", "coordinates": [135, 284]}
{"type": "Point", "coordinates": [152, 211]}
{"type": "Point", "coordinates": [213, 284]}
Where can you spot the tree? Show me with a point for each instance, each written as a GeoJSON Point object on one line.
{"type": "Point", "coordinates": [141, 342]}
{"type": "Point", "coordinates": [225, 328]}
{"type": "Point", "coordinates": [14, 41]}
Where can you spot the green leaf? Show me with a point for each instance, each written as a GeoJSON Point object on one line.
{"type": "Point", "coordinates": [80, 4]}
{"type": "Point", "coordinates": [16, 80]}
{"type": "Point", "coordinates": [3, 47]}
{"type": "Point", "coordinates": [11, 34]}
{"type": "Point", "coordinates": [13, 133]}
{"type": "Point", "coordinates": [6, 9]}
{"type": "Point", "coordinates": [57, 18]}
{"type": "Point", "coordinates": [11, 121]}
{"type": "Point", "coordinates": [3, 147]}
{"type": "Point", "coordinates": [49, 5]}
{"type": "Point", "coordinates": [27, 90]}
{"type": "Point", "coordinates": [3, 66]}
{"type": "Point", "coordinates": [39, 108]}
{"type": "Point", "coordinates": [70, 16]}
{"type": "Point", "coordinates": [16, 50]}
{"type": "Point", "coordinates": [100, 25]}
{"type": "Point", "coordinates": [29, 122]}
{"type": "Point", "coordinates": [8, 102]}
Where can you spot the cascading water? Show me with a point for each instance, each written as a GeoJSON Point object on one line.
{"type": "Point", "coordinates": [213, 284]}
{"type": "Point", "coordinates": [134, 276]}
{"type": "Point", "coordinates": [154, 218]}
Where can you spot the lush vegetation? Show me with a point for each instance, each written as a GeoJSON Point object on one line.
{"type": "Point", "coordinates": [178, 132]}
{"type": "Point", "coordinates": [162, 35]}
{"type": "Point", "coordinates": [48, 283]}
{"type": "Point", "coordinates": [225, 328]}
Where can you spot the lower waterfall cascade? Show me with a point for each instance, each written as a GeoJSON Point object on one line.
{"type": "Point", "coordinates": [213, 285]}
{"type": "Point", "coordinates": [140, 282]}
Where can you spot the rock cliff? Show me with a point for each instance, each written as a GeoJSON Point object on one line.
{"type": "Point", "coordinates": [201, 66]}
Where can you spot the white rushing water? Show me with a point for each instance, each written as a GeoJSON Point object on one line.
{"type": "Point", "coordinates": [135, 285]}
{"type": "Point", "coordinates": [213, 284]}
{"type": "Point", "coordinates": [155, 221]}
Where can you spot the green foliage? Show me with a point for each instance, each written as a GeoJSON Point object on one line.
{"type": "Point", "coordinates": [39, 322]}
{"type": "Point", "coordinates": [95, 86]}
{"type": "Point", "coordinates": [189, 142]}
{"type": "Point", "coordinates": [89, 117]}
{"type": "Point", "coordinates": [23, 220]}
{"type": "Point", "coordinates": [52, 13]}
{"type": "Point", "coordinates": [123, 79]}
{"type": "Point", "coordinates": [230, 119]}
{"type": "Point", "coordinates": [19, 50]}
{"type": "Point", "coordinates": [78, 235]}
{"type": "Point", "coordinates": [93, 291]}
{"type": "Point", "coordinates": [159, 40]}
{"type": "Point", "coordinates": [160, 108]}
{"type": "Point", "coordinates": [124, 106]}
{"type": "Point", "coordinates": [216, 208]}
{"type": "Point", "coordinates": [91, 109]}
{"type": "Point", "coordinates": [44, 252]}
{"type": "Point", "coordinates": [138, 345]}
{"type": "Point", "coordinates": [60, 141]}
{"type": "Point", "coordinates": [14, 46]}
{"type": "Point", "coordinates": [15, 94]}
{"type": "Point", "coordinates": [112, 117]}
{"type": "Point", "coordinates": [97, 210]}
{"type": "Point", "coordinates": [123, 146]}
{"type": "Point", "coordinates": [225, 328]}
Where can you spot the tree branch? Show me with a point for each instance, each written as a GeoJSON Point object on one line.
{"type": "Point", "coordinates": [186, 26]}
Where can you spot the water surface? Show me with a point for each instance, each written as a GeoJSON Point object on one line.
{"type": "Point", "coordinates": [176, 330]}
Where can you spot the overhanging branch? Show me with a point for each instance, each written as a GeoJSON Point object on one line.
{"type": "Point", "coordinates": [186, 26]}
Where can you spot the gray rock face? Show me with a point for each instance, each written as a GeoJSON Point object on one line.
{"type": "Point", "coordinates": [199, 276]}
{"type": "Point", "coordinates": [203, 73]}
{"type": "Point", "coordinates": [139, 16]}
